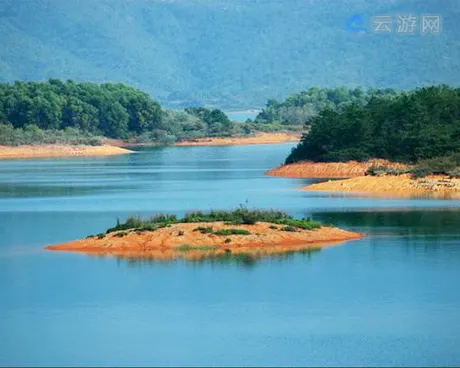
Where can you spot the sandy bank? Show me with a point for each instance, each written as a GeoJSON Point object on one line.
{"type": "Point", "coordinates": [259, 138]}
{"type": "Point", "coordinates": [183, 241]}
{"type": "Point", "coordinates": [348, 169]}
{"type": "Point", "coordinates": [394, 186]}
{"type": "Point", "coordinates": [54, 150]}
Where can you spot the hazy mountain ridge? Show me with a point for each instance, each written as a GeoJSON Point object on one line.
{"type": "Point", "coordinates": [223, 52]}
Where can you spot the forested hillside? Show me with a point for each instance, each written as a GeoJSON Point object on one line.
{"type": "Point", "coordinates": [299, 108]}
{"type": "Point", "coordinates": [224, 52]}
{"type": "Point", "coordinates": [410, 127]}
{"type": "Point", "coordinates": [27, 109]}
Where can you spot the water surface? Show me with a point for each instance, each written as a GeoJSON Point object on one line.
{"type": "Point", "coordinates": [389, 299]}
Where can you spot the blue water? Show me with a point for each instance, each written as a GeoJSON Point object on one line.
{"type": "Point", "coordinates": [389, 299]}
{"type": "Point", "coordinates": [241, 116]}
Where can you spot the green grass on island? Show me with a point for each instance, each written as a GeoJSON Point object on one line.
{"type": "Point", "coordinates": [239, 216]}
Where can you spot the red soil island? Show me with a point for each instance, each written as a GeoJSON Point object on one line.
{"type": "Point", "coordinates": [199, 240]}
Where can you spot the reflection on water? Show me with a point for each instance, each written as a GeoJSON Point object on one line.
{"type": "Point", "coordinates": [246, 260]}
{"type": "Point", "coordinates": [434, 222]}
{"type": "Point", "coordinates": [391, 298]}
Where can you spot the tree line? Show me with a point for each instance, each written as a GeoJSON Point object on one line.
{"type": "Point", "coordinates": [408, 127]}
{"type": "Point", "coordinates": [107, 109]}
{"type": "Point", "coordinates": [300, 108]}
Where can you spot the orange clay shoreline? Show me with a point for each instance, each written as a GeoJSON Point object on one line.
{"type": "Point", "coordinates": [117, 147]}
{"type": "Point", "coordinates": [313, 170]}
{"type": "Point", "coordinates": [56, 150]}
{"type": "Point", "coordinates": [258, 138]}
{"type": "Point", "coordinates": [355, 181]}
{"type": "Point", "coordinates": [180, 241]}
{"type": "Point", "coordinates": [441, 187]}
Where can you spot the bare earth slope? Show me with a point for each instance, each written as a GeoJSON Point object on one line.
{"type": "Point", "coordinates": [348, 169]}
{"type": "Point", "coordinates": [400, 186]}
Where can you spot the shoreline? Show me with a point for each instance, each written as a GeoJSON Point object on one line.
{"type": "Point", "coordinates": [58, 150]}
{"type": "Point", "coordinates": [111, 147]}
{"type": "Point", "coordinates": [183, 241]}
{"type": "Point", "coordinates": [401, 186]}
{"type": "Point", "coordinates": [351, 177]}
{"type": "Point", "coordinates": [258, 138]}
{"type": "Point", "coordinates": [330, 170]}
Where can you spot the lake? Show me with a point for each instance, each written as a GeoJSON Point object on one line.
{"type": "Point", "coordinates": [390, 299]}
{"type": "Point", "coordinates": [242, 116]}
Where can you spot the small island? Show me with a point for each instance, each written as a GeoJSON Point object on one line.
{"type": "Point", "coordinates": [242, 233]}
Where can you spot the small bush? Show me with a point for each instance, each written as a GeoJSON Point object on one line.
{"type": "Point", "coordinates": [455, 173]}
{"type": "Point", "coordinates": [273, 227]}
{"type": "Point", "coordinates": [385, 170]}
{"type": "Point", "coordinates": [181, 233]}
{"type": "Point", "coordinates": [164, 219]}
{"type": "Point", "coordinates": [290, 229]}
{"type": "Point", "coordinates": [206, 248]}
{"type": "Point", "coordinates": [121, 234]}
{"type": "Point", "coordinates": [437, 166]}
{"type": "Point", "coordinates": [377, 170]}
{"type": "Point", "coordinates": [224, 232]}
{"type": "Point", "coordinates": [204, 230]}
{"type": "Point", "coordinates": [228, 240]}
{"type": "Point", "coordinates": [100, 236]}
{"type": "Point", "coordinates": [420, 172]}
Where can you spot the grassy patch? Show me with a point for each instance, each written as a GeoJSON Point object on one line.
{"type": "Point", "coordinates": [204, 230]}
{"type": "Point", "coordinates": [224, 232]}
{"type": "Point", "coordinates": [383, 170]}
{"type": "Point", "coordinates": [204, 248]}
{"type": "Point", "coordinates": [184, 248]}
{"type": "Point", "coordinates": [121, 234]}
{"type": "Point", "coordinates": [291, 229]}
{"type": "Point", "coordinates": [240, 216]}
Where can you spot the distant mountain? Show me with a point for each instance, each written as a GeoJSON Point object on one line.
{"type": "Point", "coordinates": [222, 52]}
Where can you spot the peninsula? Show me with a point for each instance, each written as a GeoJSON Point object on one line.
{"type": "Point", "coordinates": [58, 150]}
{"type": "Point", "coordinates": [401, 144]}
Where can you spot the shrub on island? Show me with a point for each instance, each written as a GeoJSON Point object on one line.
{"type": "Point", "coordinates": [240, 216]}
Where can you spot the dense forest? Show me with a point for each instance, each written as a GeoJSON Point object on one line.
{"type": "Point", "coordinates": [224, 53]}
{"type": "Point", "coordinates": [38, 112]}
{"type": "Point", "coordinates": [299, 108]}
{"type": "Point", "coordinates": [408, 127]}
